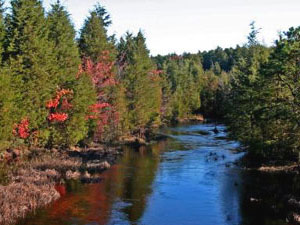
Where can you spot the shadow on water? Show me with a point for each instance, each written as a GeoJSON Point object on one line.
{"type": "Point", "coordinates": [187, 179]}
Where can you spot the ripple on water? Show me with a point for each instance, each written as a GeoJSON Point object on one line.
{"type": "Point", "coordinates": [187, 179]}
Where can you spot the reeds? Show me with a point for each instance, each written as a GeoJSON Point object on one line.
{"type": "Point", "coordinates": [29, 190]}
{"type": "Point", "coordinates": [32, 185]}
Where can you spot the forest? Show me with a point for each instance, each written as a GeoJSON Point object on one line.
{"type": "Point", "coordinates": [60, 88]}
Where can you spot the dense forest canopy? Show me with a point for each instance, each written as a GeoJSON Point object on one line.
{"type": "Point", "coordinates": [57, 90]}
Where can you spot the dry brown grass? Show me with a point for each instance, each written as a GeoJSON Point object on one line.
{"type": "Point", "coordinates": [288, 168]}
{"type": "Point", "coordinates": [29, 190]}
{"type": "Point", "coordinates": [32, 184]}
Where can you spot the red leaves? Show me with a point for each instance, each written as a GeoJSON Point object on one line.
{"type": "Point", "coordinates": [53, 104]}
{"type": "Point", "coordinates": [99, 106]}
{"type": "Point", "coordinates": [97, 112]}
{"type": "Point", "coordinates": [101, 73]}
{"type": "Point", "coordinates": [21, 130]}
{"type": "Point", "coordinates": [101, 112]}
{"type": "Point", "coordinates": [58, 117]}
{"type": "Point", "coordinates": [65, 105]}
{"type": "Point", "coordinates": [103, 76]}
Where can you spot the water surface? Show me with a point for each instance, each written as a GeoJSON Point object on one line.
{"type": "Point", "coordinates": [188, 179]}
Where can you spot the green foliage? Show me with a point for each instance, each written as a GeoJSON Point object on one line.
{"type": "Point", "coordinates": [185, 79]}
{"type": "Point", "coordinates": [280, 108]}
{"type": "Point", "coordinates": [103, 15]}
{"type": "Point", "coordinates": [97, 46]}
{"type": "Point", "coordinates": [142, 88]}
{"type": "Point", "coordinates": [62, 34]}
{"type": "Point", "coordinates": [78, 127]}
{"type": "Point", "coordinates": [31, 61]}
{"type": "Point", "coordinates": [214, 94]}
{"type": "Point", "coordinates": [93, 38]}
{"type": "Point", "coordinates": [2, 29]}
{"type": "Point", "coordinates": [254, 88]}
{"type": "Point", "coordinates": [7, 109]}
{"type": "Point", "coordinates": [246, 93]}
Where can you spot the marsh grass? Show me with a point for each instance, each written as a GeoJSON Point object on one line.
{"type": "Point", "coordinates": [29, 184]}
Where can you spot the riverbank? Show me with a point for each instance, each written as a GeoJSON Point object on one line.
{"type": "Point", "coordinates": [274, 165]}
{"type": "Point", "coordinates": [33, 179]}
{"type": "Point", "coordinates": [34, 182]}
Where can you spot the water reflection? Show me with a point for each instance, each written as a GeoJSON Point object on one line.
{"type": "Point", "coordinates": [121, 196]}
{"type": "Point", "coordinates": [186, 179]}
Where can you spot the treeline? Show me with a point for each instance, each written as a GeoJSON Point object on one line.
{"type": "Point", "coordinates": [254, 89]}
{"type": "Point", "coordinates": [59, 89]}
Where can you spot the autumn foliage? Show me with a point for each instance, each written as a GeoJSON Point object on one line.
{"type": "Point", "coordinates": [21, 130]}
{"type": "Point", "coordinates": [65, 105]}
{"type": "Point", "coordinates": [101, 72]}
{"type": "Point", "coordinates": [60, 101]}
{"type": "Point", "coordinates": [103, 77]}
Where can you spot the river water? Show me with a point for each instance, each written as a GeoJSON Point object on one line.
{"type": "Point", "coordinates": [188, 179]}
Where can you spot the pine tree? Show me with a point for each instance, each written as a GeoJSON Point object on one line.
{"type": "Point", "coordinates": [32, 63]}
{"type": "Point", "coordinates": [142, 84]}
{"type": "Point", "coordinates": [2, 29]}
{"type": "Point", "coordinates": [7, 110]}
{"type": "Point", "coordinates": [280, 112]}
{"type": "Point", "coordinates": [93, 40]}
{"type": "Point", "coordinates": [62, 34]}
{"type": "Point", "coordinates": [79, 128]}
{"type": "Point", "coordinates": [103, 15]}
{"type": "Point", "coordinates": [184, 76]}
{"type": "Point", "coordinates": [246, 93]}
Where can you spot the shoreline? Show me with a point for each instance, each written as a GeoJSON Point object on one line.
{"type": "Point", "coordinates": [37, 175]}
{"type": "Point", "coordinates": [34, 181]}
{"type": "Point", "coordinates": [37, 180]}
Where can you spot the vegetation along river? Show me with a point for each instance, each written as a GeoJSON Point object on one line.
{"type": "Point", "coordinates": [189, 178]}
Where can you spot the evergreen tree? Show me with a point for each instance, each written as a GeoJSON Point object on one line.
{"type": "Point", "coordinates": [208, 94]}
{"type": "Point", "coordinates": [245, 95]}
{"type": "Point", "coordinates": [142, 84]}
{"type": "Point", "coordinates": [280, 113]}
{"type": "Point", "coordinates": [252, 37]}
{"type": "Point", "coordinates": [184, 77]}
{"type": "Point", "coordinates": [32, 62]}
{"type": "Point", "coordinates": [6, 94]}
{"type": "Point", "coordinates": [2, 29]}
{"type": "Point", "coordinates": [62, 34]}
{"type": "Point", "coordinates": [79, 129]}
{"type": "Point", "coordinates": [7, 110]}
{"type": "Point", "coordinates": [93, 40]}
{"type": "Point", "coordinates": [103, 15]}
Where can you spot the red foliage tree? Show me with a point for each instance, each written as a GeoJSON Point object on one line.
{"type": "Point", "coordinates": [58, 117]}
{"type": "Point", "coordinates": [21, 130]}
{"type": "Point", "coordinates": [59, 103]}
{"type": "Point", "coordinates": [103, 76]}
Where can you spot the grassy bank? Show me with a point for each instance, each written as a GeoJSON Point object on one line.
{"type": "Point", "coordinates": [30, 183]}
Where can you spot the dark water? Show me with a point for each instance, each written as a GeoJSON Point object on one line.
{"type": "Point", "coordinates": [188, 179]}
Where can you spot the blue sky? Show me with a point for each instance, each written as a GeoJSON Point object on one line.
{"type": "Point", "coordinates": [192, 25]}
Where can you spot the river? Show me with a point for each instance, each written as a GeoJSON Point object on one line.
{"type": "Point", "coordinates": [188, 179]}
